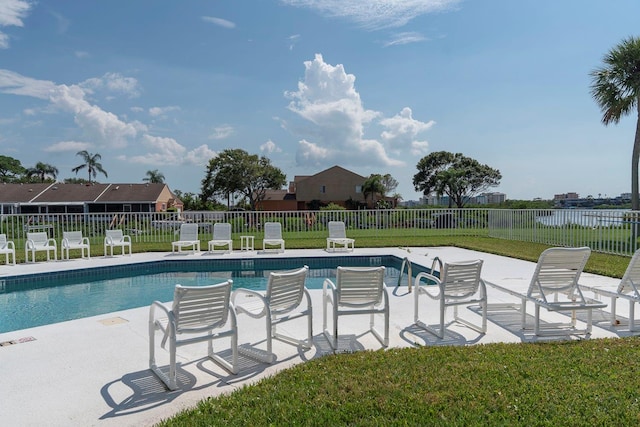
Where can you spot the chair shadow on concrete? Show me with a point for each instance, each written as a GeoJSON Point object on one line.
{"type": "Point", "coordinates": [419, 337]}
{"type": "Point", "coordinates": [142, 390]}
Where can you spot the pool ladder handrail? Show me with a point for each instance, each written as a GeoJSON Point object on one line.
{"type": "Point", "coordinates": [407, 263]}
{"type": "Point", "coordinates": [433, 266]}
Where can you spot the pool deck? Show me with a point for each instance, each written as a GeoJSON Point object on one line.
{"type": "Point", "coordinates": [94, 371]}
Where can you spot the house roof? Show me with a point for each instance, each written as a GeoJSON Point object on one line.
{"type": "Point", "coordinates": [279, 195]}
{"type": "Point", "coordinates": [332, 170]}
{"type": "Point", "coordinates": [79, 193]}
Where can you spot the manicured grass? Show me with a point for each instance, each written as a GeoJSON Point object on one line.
{"type": "Point", "coordinates": [590, 382]}
{"type": "Point", "coordinates": [570, 383]}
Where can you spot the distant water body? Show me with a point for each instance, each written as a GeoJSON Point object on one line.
{"type": "Point", "coordinates": [587, 218]}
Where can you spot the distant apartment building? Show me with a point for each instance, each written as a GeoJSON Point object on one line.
{"type": "Point", "coordinates": [566, 196]}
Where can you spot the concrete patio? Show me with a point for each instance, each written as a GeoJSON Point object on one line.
{"type": "Point", "coordinates": [94, 371]}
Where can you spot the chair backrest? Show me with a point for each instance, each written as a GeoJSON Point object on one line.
{"type": "Point", "coordinates": [337, 230]}
{"type": "Point", "coordinates": [272, 231]}
{"type": "Point", "coordinates": [201, 308]}
{"type": "Point", "coordinates": [359, 286]}
{"type": "Point", "coordinates": [72, 236]}
{"type": "Point", "coordinates": [461, 279]}
{"type": "Point", "coordinates": [189, 232]}
{"type": "Point", "coordinates": [221, 231]}
{"type": "Point", "coordinates": [285, 289]}
{"type": "Point", "coordinates": [3, 240]}
{"type": "Point", "coordinates": [39, 238]}
{"type": "Point", "coordinates": [114, 235]}
{"type": "Point", "coordinates": [558, 270]}
{"type": "Point", "coordinates": [631, 279]}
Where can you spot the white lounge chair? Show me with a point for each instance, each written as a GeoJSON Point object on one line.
{"type": "Point", "coordinates": [281, 303]}
{"type": "Point", "coordinates": [73, 240]}
{"type": "Point", "coordinates": [221, 238]}
{"type": "Point", "coordinates": [628, 289]}
{"type": "Point", "coordinates": [115, 238]}
{"type": "Point", "coordinates": [554, 287]}
{"type": "Point", "coordinates": [338, 236]}
{"type": "Point", "coordinates": [197, 311]}
{"type": "Point", "coordinates": [273, 237]}
{"type": "Point", "coordinates": [188, 238]}
{"type": "Point", "coordinates": [358, 290]}
{"type": "Point", "coordinates": [459, 283]}
{"type": "Point", "coordinates": [40, 242]}
{"type": "Point", "coordinates": [8, 248]}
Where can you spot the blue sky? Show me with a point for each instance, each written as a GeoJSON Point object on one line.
{"type": "Point", "coordinates": [370, 85]}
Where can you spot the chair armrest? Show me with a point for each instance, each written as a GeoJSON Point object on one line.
{"type": "Point", "coordinates": [425, 288]}
{"type": "Point", "coordinates": [10, 245]}
{"type": "Point", "coordinates": [52, 242]}
{"type": "Point", "coordinates": [126, 238]}
{"type": "Point", "coordinates": [85, 241]}
{"type": "Point", "coordinates": [246, 308]}
{"type": "Point", "coordinates": [65, 243]}
{"type": "Point", "coordinates": [29, 244]}
{"type": "Point", "coordinates": [328, 284]}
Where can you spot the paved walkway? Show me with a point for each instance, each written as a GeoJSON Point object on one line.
{"type": "Point", "coordinates": [94, 371]}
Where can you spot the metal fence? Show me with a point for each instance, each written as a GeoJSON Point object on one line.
{"type": "Point", "coordinates": [608, 231]}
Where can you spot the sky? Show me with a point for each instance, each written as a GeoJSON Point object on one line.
{"type": "Point", "coordinates": [369, 85]}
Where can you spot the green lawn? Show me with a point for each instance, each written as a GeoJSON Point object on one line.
{"type": "Point", "coordinates": [576, 383]}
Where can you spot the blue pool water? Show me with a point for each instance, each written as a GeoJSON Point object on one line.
{"type": "Point", "coordinates": [34, 300]}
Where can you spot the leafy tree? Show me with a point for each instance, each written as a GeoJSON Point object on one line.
{"type": "Point", "coordinates": [42, 170]}
{"type": "Point", "coordinates": [616, 88]}
{"type": "Point", "coordinates": [389, 183]}
{"type": "Point", "coordinates": [10, 169]}
{"type": "Point", "coordinates": [234, 171]}
{"type": "Point", "coordinates": [91, 162]}
{"type": "Point", "coordinates": [154, 177]}
{"type": "Point", "coordinates": [455, 175]}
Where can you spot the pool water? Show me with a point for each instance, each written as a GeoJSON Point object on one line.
{"type": "Point", "coordinates": [31, 301]}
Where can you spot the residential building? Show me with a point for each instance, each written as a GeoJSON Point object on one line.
{"type": "Point", "coordinates": [32, 198]}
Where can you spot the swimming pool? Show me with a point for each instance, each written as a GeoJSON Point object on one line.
{"type": "Point", "coordinates": [34, 300]}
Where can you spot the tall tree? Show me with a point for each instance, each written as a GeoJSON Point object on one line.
{"type": "Point", "coordinates": [42, 170]}
{"type": "Point", "coordinates": [154, 177]}
{"type": "Point", "coordinates": [234, 171]}
{"type": "Point", "coordinates": [92, 163]}
{"type": "Point", "coordinates": [455, 175]}
{"type": "Point", "coordinates": [616, 88]}
{"type": "Point", "coordinates": [10, 169]}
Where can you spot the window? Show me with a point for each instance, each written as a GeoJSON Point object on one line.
{"type": "Point", "coordinates": [323, 189]}
{"type": "Point", "coordinates": [358, 188]}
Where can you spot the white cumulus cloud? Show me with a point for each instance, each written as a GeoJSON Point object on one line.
{"type": "Point", "coordinates": [270, 147]}
{"type": "Point", "coordinates": [402, 130]}
{"type": "Point", "coordinates": [222, 132]}
{"type": "Point", "coordinates": [161, 111]}
{"type": "Point", "coordinates": [335, 119]}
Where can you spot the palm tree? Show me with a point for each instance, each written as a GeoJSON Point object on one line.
{"type": "Point", "coordinates": [154, 177]}
{"type": "Point", "coordinates": [372, 186]}
{"type": "Point", "coordinates": [42, 170]}
{"type": "Point", "coordinates": [91, 163]}
{"type": "Point", "coordinates": [616, 89]}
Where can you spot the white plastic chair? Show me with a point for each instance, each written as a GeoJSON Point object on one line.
{"type": "Point", "coordinates": [115, 238]}
{"type": "Point", "coordinates": [281, 303]}
{"type": "Point", "coordinates": [188, 238]}
{"type": "Point", "coordinates": [338, 236]}
{"type": "Point", "coordinates": [8, 248]}
{"type": "Point", "coordinates": [40, 242]}
{"type": "Point", "coordinates": [554, 287]}
{"type": "Point", "coordinates": [221, 238]}
{"type": "Point", "coordinates": [459, 284]}
{"type": "Point", "coordinates": [273, 237]}
{"type": "Point", "coordinates": [197, 311]}
{"type": "Point", "coordinates": [73, 240]}
{"type": "Point", "coordinates": [628, 290]}
{"type": "Point", "coordinates": [358, 290]}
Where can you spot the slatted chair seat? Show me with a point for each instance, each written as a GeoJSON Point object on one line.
{"type": "Point", "coordinates": [40, 242]}
{"type": "Point", "coordinates": [459, 283]}
{"type": "Point", "coordinates": [286, 298]}
{"type": "Point", "coordinates": [358, 290]}
{"type": "Point", "coordinates": [73, 240]}
{"type": "Point", "coordinates": [188, 238]}
{"type": "Point", "coordinates": [338, 237]}
{"type": "Point", "coordinates": [203, 313]}
{"type": "Point", "coordinates": [221, 238]}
